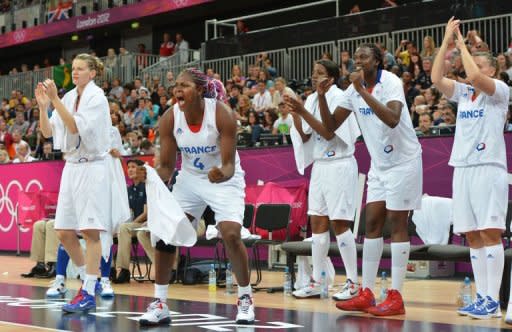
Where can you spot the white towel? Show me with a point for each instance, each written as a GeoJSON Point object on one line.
{"type": "Point", "coordinates": [166, 219]}
{"type": "Point", "coordinates": [302, 151]}
{"type": "Point", "coordinates": [434, 219]}
{"type": "Point", "coordinates": [245, 234]}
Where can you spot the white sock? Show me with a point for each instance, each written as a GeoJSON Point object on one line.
{"type": "Point", "coordinates": [479, 266]}
{"type": "Point", "coordinates": [244, 290]}
{"type": "Point", "coordinates": [60, 277]}
{"type": "Point", "coordinates": [104, 279]}
{"type": "Point", "coordinates": [372, 252]}
{"type": "Point", "coordinates": [90, 283]}
{"type": "Point", "coordinates": [161, 292]}
{"type": "Point", "coordinates": [399, 259]}
{"type": "Point", "coordinates": [347, 247]}
{"type": "Point", "coordinates": [319, 251]}
{"type": "Point", "coordinates": [495, 261]}
{"type": "Point", "coordinates": [81, 272]}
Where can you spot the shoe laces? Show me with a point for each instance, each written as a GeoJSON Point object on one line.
{"type": "Point", "coordinates": [56, 283]}
{"type": "Point", "coordinates": [244, 303]}
{"type": "Point", "coordinates": [155, 304]}
{"type": "Point", "coordinates": [347, 285]}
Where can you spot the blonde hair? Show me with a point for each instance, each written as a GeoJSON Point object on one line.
{"type": "Point", "coordinates": [5, 155]}
{"type": "Point", "coordinates": [93, 62]}
{"type": "Point", "coordinates": [490, 58]}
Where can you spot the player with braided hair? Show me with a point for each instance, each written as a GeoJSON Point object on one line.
{"type": "Point", "coordinates": [204, 129]}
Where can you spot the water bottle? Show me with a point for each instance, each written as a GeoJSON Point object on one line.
{"type": "Point", "coordinates": [287, 284]}
{"type": "Point", "coordinates": [229, 280]}
{"type": "Point", "coordinates": [212, 279]}
{"type": "Point", "coordinates": [324, 288]}
{"type": "Point", "coordinates": [466, 292]}
{"type": "Point", "coordinates": [383, 286]}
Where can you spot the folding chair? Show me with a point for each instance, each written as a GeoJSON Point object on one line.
{"type": "Point", "coordinates": [269, 217]}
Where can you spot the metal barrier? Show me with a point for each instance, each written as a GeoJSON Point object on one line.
{"type": "Point", "coordinates": [126, 67]}
{"type": "Point", "coordinates": [303, 57]}
{"type": "Point", "coordinates": [222, 66]}
{"type": "Point", "coordinates": [279, 59]}
{"type": "Point", "coordinates": [351, 44]}
{"type": "Point", "coordinates": [175, 63]}
{"type": "Point", "coordinates": [495, 31]}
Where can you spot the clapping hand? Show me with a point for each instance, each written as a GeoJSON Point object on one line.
{"type": "Point", "coordinates": [357, 79]}
{"type": "Point", "coordinates": [51, 89]}
{"type": "Point", "coordinates": [42, 98]}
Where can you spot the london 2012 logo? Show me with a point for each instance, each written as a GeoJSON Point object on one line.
{"type": "Point", "coordinates": [180, 3]}
{"type": "Point", "coordinates": [9, 203]}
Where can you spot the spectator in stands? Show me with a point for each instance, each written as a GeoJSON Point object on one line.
{"type": "Point", "coordinates": [285, 121]}
{"type": "Point", "coordinates": [43, 250]}
{"type": "Point", "coordinates": [166, 47]}
{"type": "Point", "coordinates": [47, 152]}
{"type": "Point", "coordinates": [449, 114]}
{"type": "Point", "coordinates": [355, 9]}
{"type": "Point", "coordinates": [146, 147]}
{"type": "Point", "coordinates": [117, 90]}
{"type": "Point", "coordinates": [241, 27]}
{"type": "Point", "coordinates": [504, 64]}
{"type": "Point", "coordinates": [388, 3]}
{"type": "Point", "coordinates": [269, 118]}
{"type": "Point", "coordinates": [432, 97]}
{"type": "Point", "coordinates": [137, 201]}
{"type": "Point", "coordinates": [269, 68]}
{"type": "Point", "coordinates": [389, 59]}
{"type": "Point", "coordinates": [347, 64]}
{"type": "Point", "coordinates": [425, 122]}
{"type": "Point", "coordinates": [234, 96]}
{"type": "Point", "coordinates": [409, 89]}
{"type": "Point", "coordinates": [263, 75]}
{"type": "Point", "coordinates": [162, 103]}
{"type": "Point", "coordinates": [137, 84]}
{"type": "Point", "coordinates": [138, 114]}
{"type": "Point", "coordinates": [170, 81]}
{"type": "Point", "coordinates": [32, 130]}
{"type": "Point", "coordinates": [210, 72]}
{"type": "Point", "coordinates": [133, 144]}
{"type": "Point", "coordinates": [262, 100]}
{"type": "Point", "coordinates": [414, 63]}
{"type": "Point", "coordinates": [253, 76]}
{"type": "Point", "coordinates": [4, 156]}
{"type": "Point", "coordinates": [255, 127]}
{"type": "Point", "coordinates": [5, 136]}
{"type": "Point", "coordinates": [19, 123]}
{"type": "Point", "coordinates": [151, 112]}
{"type": "Point", "coordinates": [5, 6]}
{"type": "Point", "coordinates": [142, 56]}
{"type": "Point", "coordinates": [182, 48]}
{"type": "Point", "coordinates": [429, 47]}
{"type": "Point", "coordinates": [110, 60]}
{"type": "Point", "coordinates": [105, 86]}
{"type": "Point", "coordinates": [242, 112]}
{"type": "Point", "coordinates": [404, 51]}
{"type": "Point", "coordinates": [424, 80]}
{"type": "Point", "coordinates": [23, 153]}
{"type": "Point", "coordinates": [457, 69]}
{"type": "Point", "coordinates": [237, 76]}
{"type": "Point", "coordinates": [281, 90]}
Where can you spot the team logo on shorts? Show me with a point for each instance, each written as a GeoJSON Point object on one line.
{"type": "Point", "coordinates": [388, 148]}
{"type": "Point", "coordinates": [480, 147]}
{"type": "Point", "coordinates": [179, 131]}
{"type": "Point", "coordinates": [330, 154]}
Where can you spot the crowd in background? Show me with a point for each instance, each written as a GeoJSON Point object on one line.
{"type": "Point", "coordinates": [256, 97]}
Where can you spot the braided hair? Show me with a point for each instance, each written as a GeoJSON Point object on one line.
{"type": "Point", "coordinates": [213, 88]}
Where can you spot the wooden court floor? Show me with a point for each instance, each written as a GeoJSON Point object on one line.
{"type": "Point", "coordinates": [426, 300]}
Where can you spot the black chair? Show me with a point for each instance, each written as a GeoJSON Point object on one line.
{"type": "Point", "coordinates": [269, 217]}
{"type": "Point", "coordinates": [137, 261]}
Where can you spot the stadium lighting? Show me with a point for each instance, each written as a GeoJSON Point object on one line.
{"type": "Point", "coordinates": [135, 25]}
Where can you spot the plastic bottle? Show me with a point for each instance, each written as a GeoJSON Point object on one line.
{"type": "Point", "coordinates": [229, 280]}
{"type": "Point", "coordinates": [212, 279]}
{"type": "Point", "coordinates": [324, 288]}
{"type": "Point", "coordinates": [383, 286]}
{"type": "Point", "coordinates": [287, 283]}
{"type": "Point", "coordinates": [466, 292]}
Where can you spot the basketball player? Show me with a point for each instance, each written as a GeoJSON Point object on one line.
{"type": "Point", "coordinates": [376, 97]}
{"type": "Point", "coordinates": [333, 184]}
{"type": "Point", "coordinates": [204, 129]}
{"type": "Point", "coordinates": [80, 126]}
{"type": "Point", "coordinates": [480, 189]}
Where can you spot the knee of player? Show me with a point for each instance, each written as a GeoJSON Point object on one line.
{"type": "Point", "coordinates": [231, 235]}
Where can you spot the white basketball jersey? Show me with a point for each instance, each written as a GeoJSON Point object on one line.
{"type": "Point", "coordinates": [200, 151]}
{"type": "Point", "coordinates": [479, 136]}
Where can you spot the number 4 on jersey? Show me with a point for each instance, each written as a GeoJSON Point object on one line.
{"type": "Point", "coordinates": [198, 164]}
